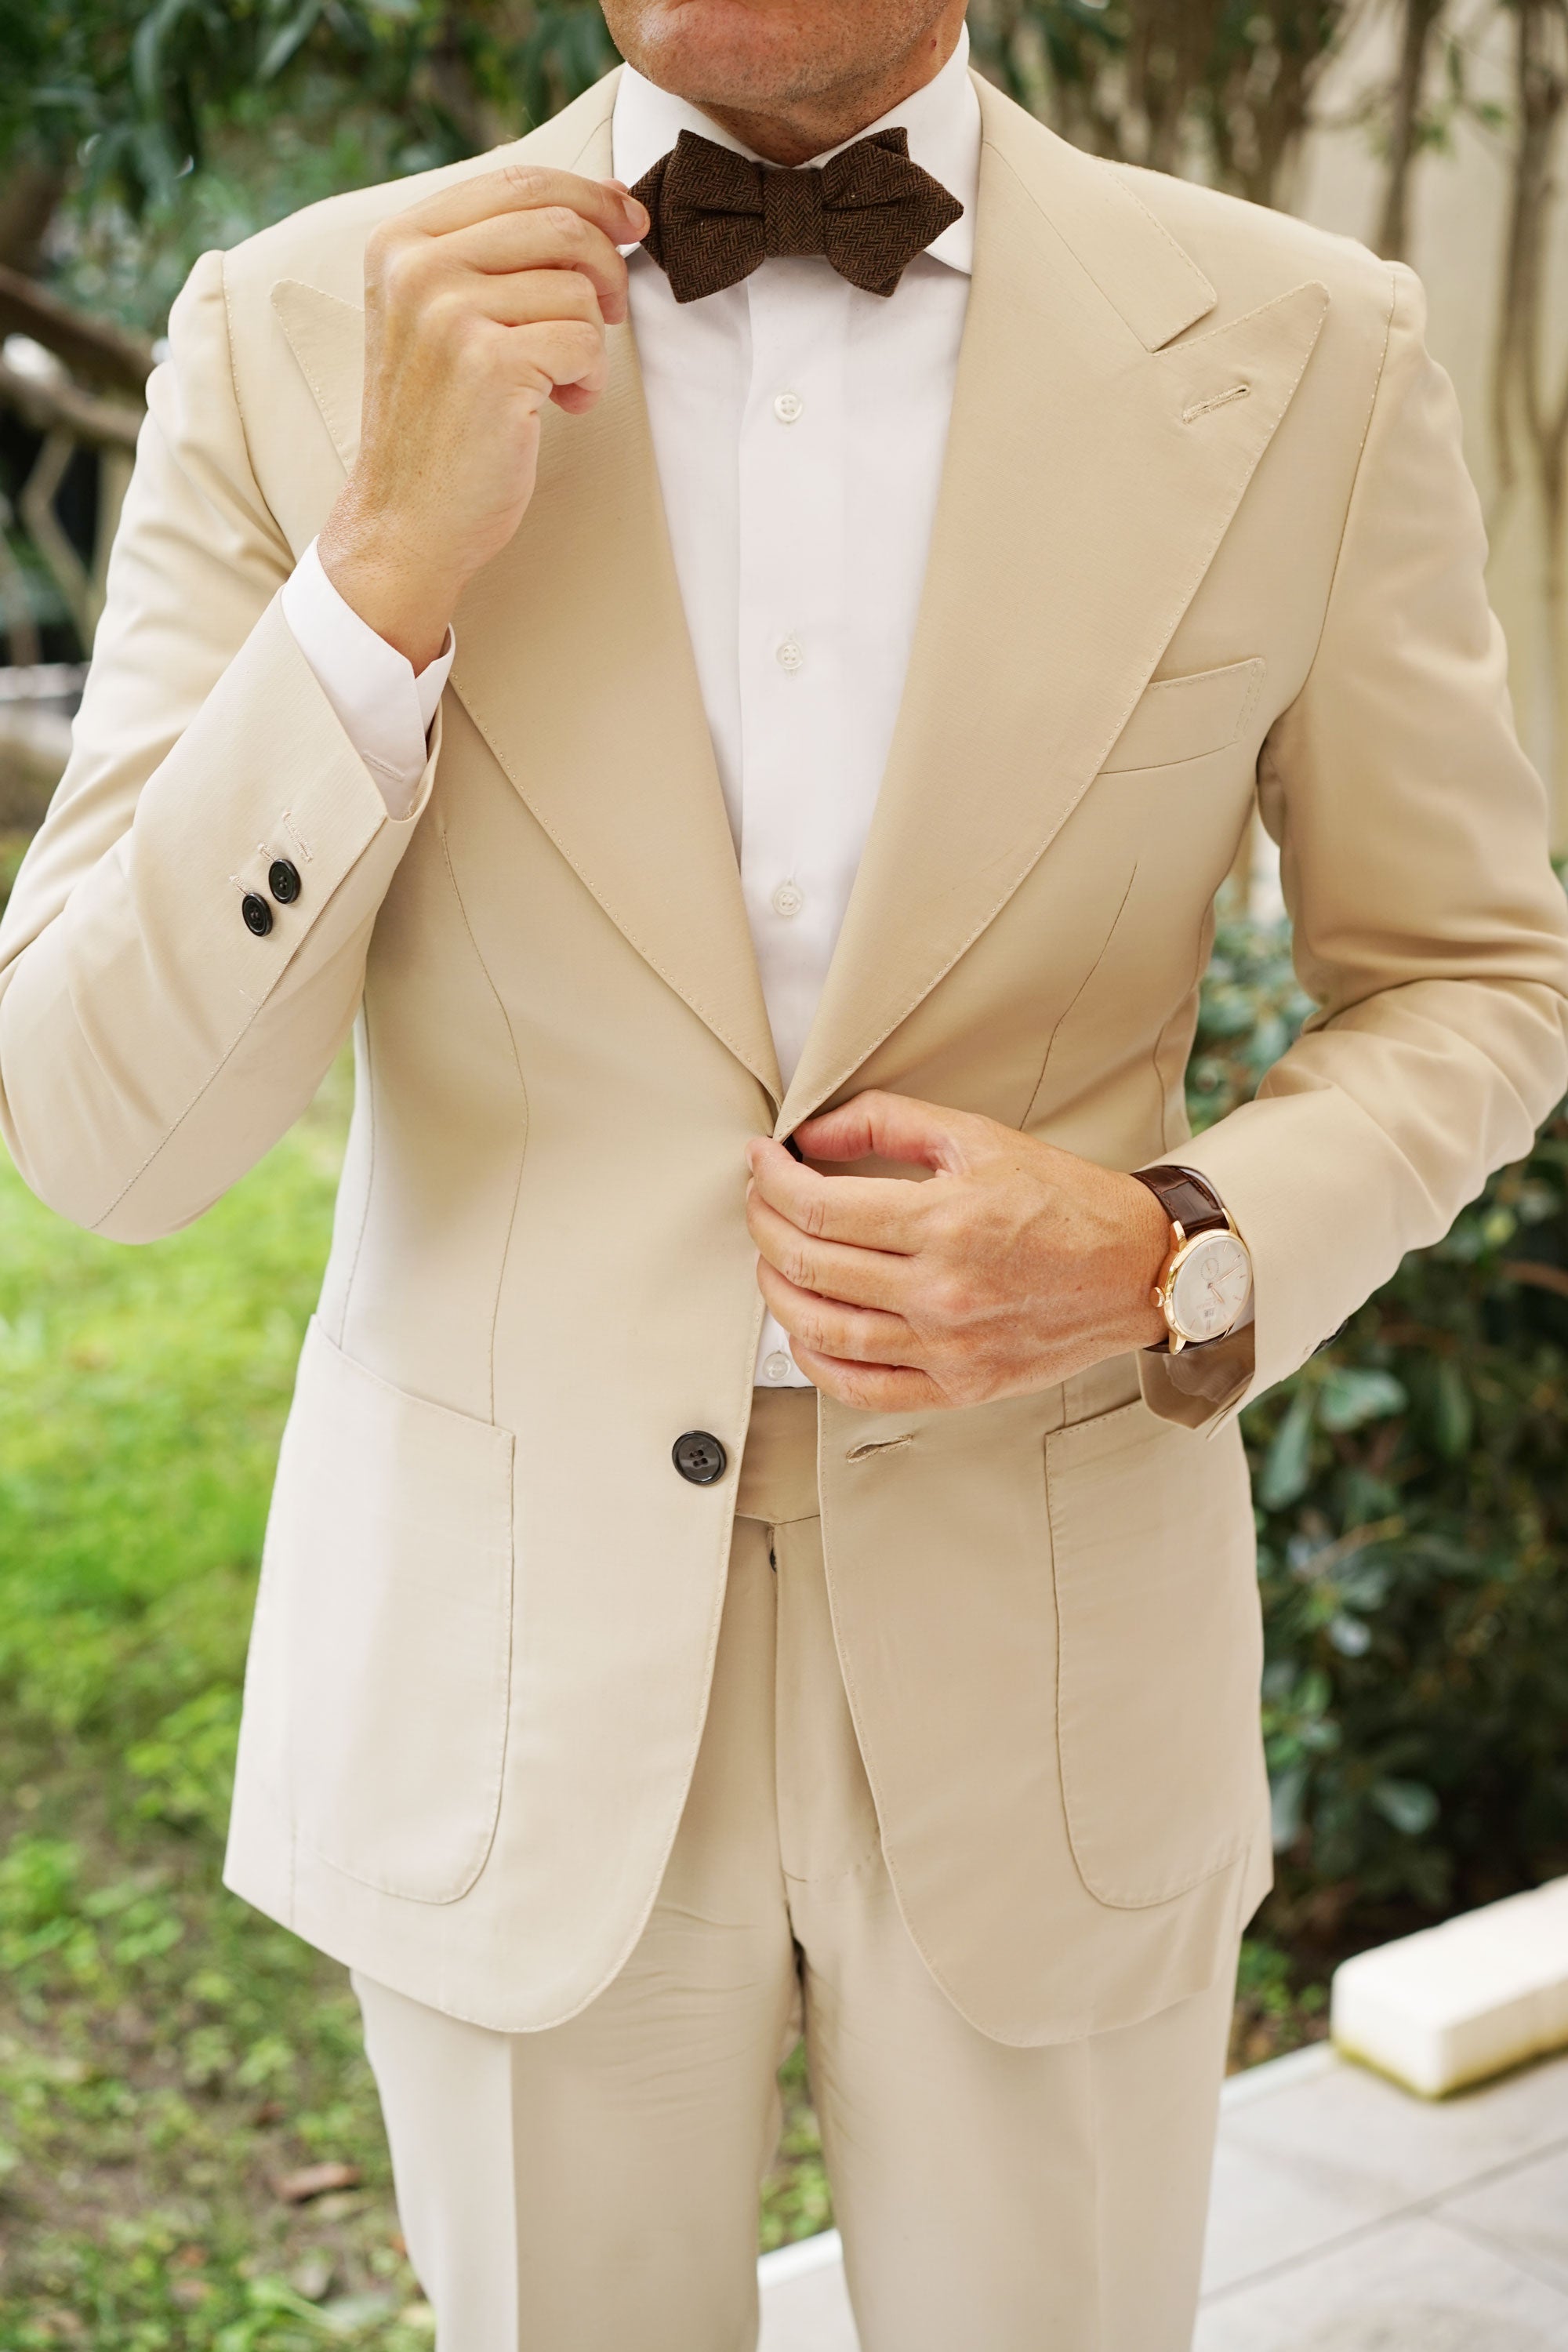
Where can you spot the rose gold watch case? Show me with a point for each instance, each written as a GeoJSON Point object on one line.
{"type": "Point", "coordinates": [1164, 1293]}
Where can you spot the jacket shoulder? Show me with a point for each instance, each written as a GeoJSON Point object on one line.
{"type": "Point", "coordinates": [1253, 254]}
{"type": "Point", "coordinates": [1169, 251]}
{"type": "Point", "coordinates": [323, 245]}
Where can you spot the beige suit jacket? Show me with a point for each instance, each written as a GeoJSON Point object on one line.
{"type": "Point", "coordinates": [1205, 535]}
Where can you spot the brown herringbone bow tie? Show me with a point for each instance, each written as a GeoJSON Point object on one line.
{"type": "Point", "coordinates": [717, 216]}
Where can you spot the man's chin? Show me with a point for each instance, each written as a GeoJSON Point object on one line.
{"type": "Point", "coordinates": [735, 53]}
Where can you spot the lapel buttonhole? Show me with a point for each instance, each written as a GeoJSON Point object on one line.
{"type": "Point", "coordinates": [1216, 400]}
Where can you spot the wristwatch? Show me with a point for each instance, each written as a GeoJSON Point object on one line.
{"type": "Point", "coordinates": [1206, 1281]}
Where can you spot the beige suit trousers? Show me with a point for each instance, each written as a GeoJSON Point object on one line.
{"type": "Point", "coordinates": [592, 2187]}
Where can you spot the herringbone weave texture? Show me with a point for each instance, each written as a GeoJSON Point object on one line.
{"type": "Point", "coordinates": [717, 216]}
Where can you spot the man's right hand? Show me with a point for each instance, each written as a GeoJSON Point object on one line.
{"type": "Point", "coordinates": [481, 304]}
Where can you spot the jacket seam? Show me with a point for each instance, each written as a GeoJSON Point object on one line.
{"type": "Point", "coordinates": [172, 1130]}
{"type": "Point", "coordinates": [175, 1126]}
{"type": "Point", "coordinates": [1071, 1005]}
{"type": "Point", "coordinates": [1355, 480]}
{"type": "Point", "coordinates": [260, 1004]}
{"type": "Point", "coordinates": [342, 1329]}
{"type": "Point", "coordinates": [239, 407]}
{"type": "Point", "coordinates": [522, 1089]}
{"type": "Point", "coordinates": [710, 1015]}
{"type": "Point", "coordinates": [1191, 581]}
{"type": "Point", "coordinates": [1194, 989]}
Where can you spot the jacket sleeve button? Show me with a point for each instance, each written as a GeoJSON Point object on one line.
{"type": "Point", "coordinates": [257, 914]}
{"type": "Point", "coordinates": [699, 1457]}
{"type": "Point", "coordinates": [283, 880]}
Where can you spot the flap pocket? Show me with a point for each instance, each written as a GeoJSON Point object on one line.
{"type": "Point", "coordinates": [1181, 719]}
{"type": "Point", "coordinates": [389, 1560]}
{"type": "Point", "coordinates": [1159, 1652]}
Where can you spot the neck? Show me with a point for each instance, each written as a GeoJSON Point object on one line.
{"type": "Point", "coordinates": [793, 134]}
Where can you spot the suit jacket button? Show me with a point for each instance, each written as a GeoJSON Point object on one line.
{"type": "Point", "coordinates": [699, 1457]}
{"type": "Point", "coordinates": [257, 914]}
{"type": "Point", "coordinates": [283, 880]}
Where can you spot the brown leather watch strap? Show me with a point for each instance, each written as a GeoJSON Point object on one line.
{"type": "Point", "coordinates": [1188, 1199]}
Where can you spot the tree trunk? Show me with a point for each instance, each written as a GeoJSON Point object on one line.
{"type": "Point", "coordinates": [89, 347]}
{"type": "Point", "coordinates": [1420, 21]}
{"type": "Point", "coordinates": [1524, 411]}
{"type": "Point", "coordinates": [29, 194]}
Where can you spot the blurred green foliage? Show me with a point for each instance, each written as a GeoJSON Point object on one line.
{"type": "Point", "coordinates": [1412, 1491]}
{"type": "Point", "coordinates": [140, 91]}
{"type": "Point", "coordinates": [176, 125]}
{"type": "Point", "coordinates": [165, 2053]}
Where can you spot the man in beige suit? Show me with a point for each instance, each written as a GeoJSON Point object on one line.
{"type": "Point", "coordinates": [886, 560]}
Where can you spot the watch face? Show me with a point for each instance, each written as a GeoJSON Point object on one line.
{"type": "Point", "coordinates": [1209, 1288]}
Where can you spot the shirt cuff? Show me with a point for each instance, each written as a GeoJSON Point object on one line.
{"type": "Point", "coordinates": [381, 706]}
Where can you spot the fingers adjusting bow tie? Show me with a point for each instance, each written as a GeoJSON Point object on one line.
{"type": "Point", "coordinates": [717, 216]}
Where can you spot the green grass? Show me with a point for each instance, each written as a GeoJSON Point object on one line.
{"type": "Point", "coordinates": [166, 2055]}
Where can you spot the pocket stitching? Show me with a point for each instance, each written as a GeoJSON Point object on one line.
{"type": "Point", "coordinates": [1259, 667]}
{"type": "Point", "coordinates": [1077, 1831]}
{"type": "Point", "coordinates": [482, 1840]}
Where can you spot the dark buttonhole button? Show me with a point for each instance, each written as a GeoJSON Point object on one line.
{"type": "Point", "coordinates": [699, 1457]}
{"type": "Point", "coordinates": [283, 880]}
{"type": "Point", "coordinates": [257, 914]}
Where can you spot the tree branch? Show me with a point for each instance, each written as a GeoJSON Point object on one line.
{"type": "Point", "coordinates": [61, 407]}
{"type": "Point", "coordinates": [104, 354]}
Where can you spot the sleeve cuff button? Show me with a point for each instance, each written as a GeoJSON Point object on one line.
{"type": "Point", "coordinates": [283, 880]}
{"type": "Point", "coordinates": [257, 914]}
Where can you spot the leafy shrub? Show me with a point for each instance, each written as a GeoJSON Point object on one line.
{"type": "Point", "coordinates": [1412, 1502]}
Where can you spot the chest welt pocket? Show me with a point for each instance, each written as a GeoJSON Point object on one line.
{"type": "Point", "coordinates": [1159, 1652]}
{"type": "Point", "coordinates": [1179, 718]}
{"type": "Point", "coordinates": [389, 1563]}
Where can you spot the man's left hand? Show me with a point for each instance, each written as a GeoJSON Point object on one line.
{"type": "Point", "coordinates": [1015, 1265]}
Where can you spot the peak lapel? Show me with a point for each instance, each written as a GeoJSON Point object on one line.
{"type": "Point", "coordinates": [1090, 477]}
{"type": "Point", "coordinates": [575, 662]}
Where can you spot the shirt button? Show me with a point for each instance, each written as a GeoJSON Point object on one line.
{"type": "Point", "coordinates": [788, 898]}
{"type": "Point", "coordinates": [788, 406]}
{"type": "Point", "coordinates": [790, 656]}
{"type": "Point", "coordinates": [777, 1366]}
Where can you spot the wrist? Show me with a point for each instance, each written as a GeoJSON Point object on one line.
{"type": "Point", "coordinates": [1150, 1240]}
{"type": "Point", "coordinates": [392, 585]}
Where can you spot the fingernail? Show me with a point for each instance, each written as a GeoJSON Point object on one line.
{"type": "Point", "coordinates": [637, 217]}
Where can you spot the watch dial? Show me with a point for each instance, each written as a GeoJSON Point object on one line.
{"type": "Point", "coordinates": [1211, 1286]}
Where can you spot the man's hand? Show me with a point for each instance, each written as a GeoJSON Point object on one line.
{"type": "Point", "coordinates": [481, 304]}
{"type": "Point", "coordinates": [1013, 1266]}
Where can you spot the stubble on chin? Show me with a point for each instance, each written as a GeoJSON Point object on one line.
{"type": "Point", "coordinates": [749, 54]}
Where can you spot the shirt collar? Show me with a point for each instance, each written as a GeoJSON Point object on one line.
{"type": "Point", "coordinates": [942, 121]}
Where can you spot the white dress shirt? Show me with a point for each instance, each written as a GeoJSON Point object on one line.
{"type": "Point", "coordinates": [799, 426]}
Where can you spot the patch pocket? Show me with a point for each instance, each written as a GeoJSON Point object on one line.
{"type": "Point", "coordinates": [389, 1552]}
{"type": "Point", "coordinates": [1179, 718]}
{"type": "Point", "coordinates": [1159, 1652]}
